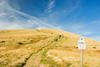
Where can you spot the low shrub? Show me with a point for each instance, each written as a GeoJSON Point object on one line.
{"type": "Point", "coordinates": [20, 43]}
{"type": "Point", "coordinates": [2, 42]}
{"type": "Point", "coordinates": [94, 47]}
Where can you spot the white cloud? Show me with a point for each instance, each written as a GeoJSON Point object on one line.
{"type": "Point", "coordinates": [76, 27]}
{"type": "Point", "coordinates": [86, 33]}
{"type": "Point", "coordinates": [50, 6]}
{"type": "Point", "coordinates": [96, 22]}
{"type": "Point", "coordinates": [41, 27]}
{"type": "Point", "coordinates": [7, 25]}
{"type": "Point", "coordinates": [11, 18]}
{"type": "Point", "coordinates": [2, 14]}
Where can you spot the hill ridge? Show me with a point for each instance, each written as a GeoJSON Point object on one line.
{"type": "Point", "coordinates": [17, 46]}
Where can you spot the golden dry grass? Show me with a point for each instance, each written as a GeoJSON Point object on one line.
{"type": "Point", "coordinates": [12, 53]}
{"type": "Point", "coordinates": [17, 46]}
{"type": "Point", "coordinates": [74, 57]}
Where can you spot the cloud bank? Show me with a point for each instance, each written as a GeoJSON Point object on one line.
{"type": "Point", "coordinates": [11, 18]}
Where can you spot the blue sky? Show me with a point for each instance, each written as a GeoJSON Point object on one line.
{"type": "Point", "coordinates": [76, 16]}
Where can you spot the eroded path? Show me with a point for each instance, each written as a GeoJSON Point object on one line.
{"type": "Point", "coordinates": [40, 58]}
{"type": "Point", "coordinates": [34, 60]}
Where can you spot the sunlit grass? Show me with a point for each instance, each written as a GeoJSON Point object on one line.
{"type": "Point", "coordinates": [17, 46]}
{"type": "Point", "coordinates": [15, 49]}
{"type": "Point", "coordinates": [74, 57]}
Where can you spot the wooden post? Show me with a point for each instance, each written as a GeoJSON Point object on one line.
{"type": "Point", "coordinates": [81, 57]}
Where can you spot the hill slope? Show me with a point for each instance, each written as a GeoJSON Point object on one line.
{"type": "Point", "coordinates": [45, 48]}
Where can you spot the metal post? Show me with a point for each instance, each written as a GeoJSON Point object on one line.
{"type": "Point", "coordinates": [81, 57]}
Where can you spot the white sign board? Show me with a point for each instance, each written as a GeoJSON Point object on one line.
{"type": "Point", "coordinates": [81, 39]}
{"type": "Point", "coordinates": [81, 46]}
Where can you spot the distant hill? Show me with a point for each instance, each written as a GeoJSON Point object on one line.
{"type": "Point", "coordinates": [45, 48]}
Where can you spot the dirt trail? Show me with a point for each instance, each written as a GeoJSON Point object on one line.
{"type": "Point", "coordinates": [34, 60]}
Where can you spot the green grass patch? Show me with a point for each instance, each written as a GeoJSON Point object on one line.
{"type": "Point", "coordinates": [60, 41]}
{"type": "Point", "coordinates": [47, 60]}
{"type": "Point", "coordinates": [44, 53]}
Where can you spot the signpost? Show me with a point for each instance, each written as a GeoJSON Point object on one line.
{"type": "Point", "coordinates": [81, 45]}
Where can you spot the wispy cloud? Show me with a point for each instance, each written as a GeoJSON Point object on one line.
{"type": "Point", "coordinates": [79, 28]}
{"type": "Point", "coordinates": [96, 22]}
{"type": "Point", "coordinates": [2, 14]}
{"type": "Point", "coordinates": [50, 6]}
{"type": "Point", "coordinates": [7, 25]}
{"type": "Point", "coordinates": [11, 18]}
{"type": "Point", "coordinates": [87, 33]}
{"type": "Point", "coordinates": [76, 27]}
{"type": "Point", "coordinates": [73, 6]}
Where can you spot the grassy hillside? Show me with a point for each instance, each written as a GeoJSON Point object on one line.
{"type": "Point", "coordinates": [45, 48]}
